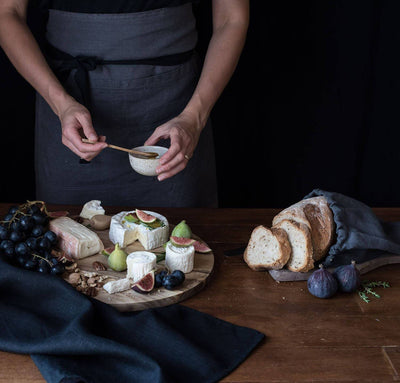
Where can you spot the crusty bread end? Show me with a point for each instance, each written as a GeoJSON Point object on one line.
{"type": "Point", "coordinates": [268, 248]}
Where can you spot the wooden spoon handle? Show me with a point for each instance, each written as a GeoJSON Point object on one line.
{"type": "Point", "coordinates": [133, 151]}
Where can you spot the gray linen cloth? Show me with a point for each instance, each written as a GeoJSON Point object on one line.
{"type": "Point", "coordinates": [360, 234]}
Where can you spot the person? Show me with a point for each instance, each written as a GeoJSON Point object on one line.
{"type": "Point", "coordinates": [125, 73]}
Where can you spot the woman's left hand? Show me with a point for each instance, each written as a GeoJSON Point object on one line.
{"type": "Point", "coordinates": [183, 132]}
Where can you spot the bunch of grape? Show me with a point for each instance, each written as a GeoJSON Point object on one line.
{"type": "Point", "coordinates": [26, 241]}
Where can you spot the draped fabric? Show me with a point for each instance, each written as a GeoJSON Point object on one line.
{"type": "Point", "coordinates": [315, 94]}
{"type": "Point", "coordinates": [76, 339]}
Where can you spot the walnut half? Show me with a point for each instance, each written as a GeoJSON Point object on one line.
{"type": "Point", "coordinates": [98, 266]}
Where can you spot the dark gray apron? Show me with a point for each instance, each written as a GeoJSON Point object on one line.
{"type": "Point", "coordinates": [127, 102]}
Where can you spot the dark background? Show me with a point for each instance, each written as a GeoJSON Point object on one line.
{"type": "Point", "coordinates": [314, 103]}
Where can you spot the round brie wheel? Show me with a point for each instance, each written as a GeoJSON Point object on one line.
{"type": "Point", "coordinates": [179, 258]}
{"type": "Point", "coordinates": [140, 263]}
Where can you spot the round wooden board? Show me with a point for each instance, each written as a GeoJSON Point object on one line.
{"type": "Point", "coordinates": [132, 301]}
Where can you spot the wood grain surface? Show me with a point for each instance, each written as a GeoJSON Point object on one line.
{"type": "Point", "coordinates": [130, 300]}
{"type": "Point", "coordinates": [341, 339]}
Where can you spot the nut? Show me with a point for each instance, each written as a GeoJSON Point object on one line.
{"type": "Point", "coordinates": [89, 274]}
{"type": "Point", "coordinates": [98, 266]}
{"type": "Point", "coordinates": [74, 279]}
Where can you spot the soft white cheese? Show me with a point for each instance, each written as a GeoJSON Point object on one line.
{"type": "Point", "coordinates": [139, 263]}
{"type": "Point", "coordinates": [179, 258]}
{"type": "Point", "coordinates": [92, 208]}
{"type": "Point", "coordinates": [74, 238]}
{"type": "Point", "coordinates": [124, 233]}
{"type": "Point", "coordinates": [117, 286]}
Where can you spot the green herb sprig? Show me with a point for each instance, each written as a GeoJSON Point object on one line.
{"type": "Point", "coordinates": [367, 288]}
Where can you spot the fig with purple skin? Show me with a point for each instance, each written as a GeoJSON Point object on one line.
{"type": "Point", "coordinates": [348, 277]}
{"type": "Point", "coordinates": [145, 284]}
{"type": "Point", "coordinates": [321, 283]}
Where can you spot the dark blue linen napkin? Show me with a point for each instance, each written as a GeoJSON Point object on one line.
{"type": "Point", "coordinates": [360, 234]}
{"type": "Point", "coordinates": [73, 338]}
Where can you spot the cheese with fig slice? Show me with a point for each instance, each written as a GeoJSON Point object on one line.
{"type": "Point", "coordinates": [75, 239]}
{"type": "Point", "coordinates": [125, 232]}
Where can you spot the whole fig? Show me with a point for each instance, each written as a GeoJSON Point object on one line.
{"type": "Point", "coordinates": [117, 259]}
{"type": "Point", "coordinates": [321, 283]}
{"type": "Point", "coordinates": [348, 277]}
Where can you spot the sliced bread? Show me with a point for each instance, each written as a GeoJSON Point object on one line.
{"type": "Point", "coordinates": [301, 257]}
{"type": "Point", "coordinates": [268, 248]}
{"type": "Point", "coordinates": [315, 213]}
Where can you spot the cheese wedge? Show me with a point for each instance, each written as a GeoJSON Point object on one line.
{"type": "Point", "coordinates": [124, 232]}
{"type": "Point", "coordinates": [75, 239]}
{"type": "Point", "coordinates": [92, 208]}
{"type": "Point", "coordinates": [117, 286]}
{"type": "Point", "coordinates": [179, 258]}
{"type": "Point", "coordinates": [139, 263]}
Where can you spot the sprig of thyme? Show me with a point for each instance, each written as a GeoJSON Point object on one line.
{"type": "Point", "coordinates": [367, 288]}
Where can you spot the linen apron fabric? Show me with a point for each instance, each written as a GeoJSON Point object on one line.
{"type": "Point", "coordinates": [127, 102]}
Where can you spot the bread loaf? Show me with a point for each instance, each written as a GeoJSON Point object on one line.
{"type": "Point", "coordinates": [268, 248]}
{"type": "Point", "coordinates": [317, 216]}
{"type": "Point", "coordinates": [299, 235]}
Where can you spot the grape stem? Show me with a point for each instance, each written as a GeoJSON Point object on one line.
{"type": "Point", "coordinates": [39, 256]}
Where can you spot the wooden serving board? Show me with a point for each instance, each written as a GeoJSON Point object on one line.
{"type": "Point", "coordinates": [133, 301]}
{"type": "Point", "coordinates": [285, 275]}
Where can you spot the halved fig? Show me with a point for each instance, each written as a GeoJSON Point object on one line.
{"type": "Point", "coordinates": [145, 284]}
{"type": "Point", "coordinates": [181, 242]}
{"type": "Point", "coordinates": [201, 247]}
{"type": "Point", "coordinates": [144, 217]}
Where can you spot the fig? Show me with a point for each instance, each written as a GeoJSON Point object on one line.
{"type": "Point", "coordinates": [117, 259]}
{"type": "Point", "coordinates": [321, 283]}
{"type": "Point", "coordinates": [181, 242]}
{"type": "Point", "coordinates": [182, 230]}
{"type": "Point", "coordinates": [145, 284]}
{"type": "Point", "coordinates": [348, 277]}
{"type": "Point", "coordinates": [59, 213]}
{"type": "Point", "coordinates": [201, 247]}
{"type": "Point", "coordinates": [108, 250]}
{"type": "Point", "coordinates": [144, 217]}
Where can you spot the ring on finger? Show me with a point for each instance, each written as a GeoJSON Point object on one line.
{"type": "Point", "coordinates": [187, 157]}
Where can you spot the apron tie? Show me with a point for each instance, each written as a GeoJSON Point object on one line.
{"type": "Point", "coordinates": [62, 63]}
{"type": "Point", "coordinates": [82, 64]}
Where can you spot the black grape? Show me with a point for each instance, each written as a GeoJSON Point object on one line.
{"type": "Point", "coordinates": [4, 232]}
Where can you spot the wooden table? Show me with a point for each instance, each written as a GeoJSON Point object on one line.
{"type": "Point", "coordinates": [341, 339]}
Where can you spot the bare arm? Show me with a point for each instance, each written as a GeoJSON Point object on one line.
{"type": "Point", "coordinates": [230, 23]}
{"type": "Point", "coordinates": [24, 53]}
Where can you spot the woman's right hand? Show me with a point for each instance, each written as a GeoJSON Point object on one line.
{"type": "Point", "coordinates": [76, 123]}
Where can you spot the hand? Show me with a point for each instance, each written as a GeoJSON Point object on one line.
{"type": "Point", "coordinates": [183, 132]}
{"type": "Point", "coordinates": [76, 123]}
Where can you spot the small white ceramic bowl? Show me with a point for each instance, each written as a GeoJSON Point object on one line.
{"type": "Point", "coordinates": [147, 166]}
